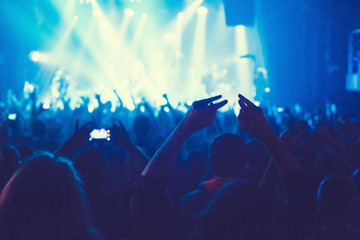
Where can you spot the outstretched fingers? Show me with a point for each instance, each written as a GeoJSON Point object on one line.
{"type": "Point", "coordinates": [86, 125]}
{"type": "Point", "coordinates": [242, 104]}
{"type": "Point", "coordinates": [246, 101]}
{"type": "Point", "coordinates": [208, 100]}
{"type": "Point", "coordinates": [218, 105]}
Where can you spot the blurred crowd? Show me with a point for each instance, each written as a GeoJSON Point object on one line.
{"type": "Point", "coordinates": [165, 173]}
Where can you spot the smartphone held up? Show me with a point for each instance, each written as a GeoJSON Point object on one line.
{"type": "Point", "coordinates": [100, 134]}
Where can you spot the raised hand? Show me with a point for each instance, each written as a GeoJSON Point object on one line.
{"type": "Point", "coordinates": [120, 135]}
{"type": "Point", "coordinates": [252, 119]}
{"type": "Point", "coordinates": [202, 113]}
{"type": "Point", "coordinates": [80, 136]}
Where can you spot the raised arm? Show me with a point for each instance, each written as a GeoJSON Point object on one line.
{"type": "Point", "coordinates": [252, 120]}
{"type": "Point", "coordinates": [201, 114]}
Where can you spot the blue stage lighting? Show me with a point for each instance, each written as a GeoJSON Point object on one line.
{"type": "Point", "coordinates": [129, 12]}
{"type": "Point", "coordinates": [202, 10]}
{"type": "Point", "coordinates": [34, 56]}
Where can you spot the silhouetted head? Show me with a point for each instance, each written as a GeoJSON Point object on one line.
{"type": "Point", "coordinates": [92, 167]}
{"type": "Point", "coordinates": [196, 164]}
{"type": "Point", "coordinates": [9, 165]}
{"type": "Point", "coordinates": [335, 200]}
{"type": "Point", "coordinates": [258, 154]}
{"type": "Point", "coordinates": [238, 211]}
{"type": "Point", "coordinates": [44, 200]}
{"type": "Point", "coordinates": [227, 155]}
{"type": "Point", "coordinates": [326, 163]}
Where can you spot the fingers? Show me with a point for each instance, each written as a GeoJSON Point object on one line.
{"type": "Point", "coordinates": [242, 104]}
{"type": "Point", "coordinates": [86, 125]}
{"type": "Point", "coordinates": [216, 106]}
{"type": "Point", "coordinates": [208, 100]}
{"type": "Point", "coordinates": [247, 101]}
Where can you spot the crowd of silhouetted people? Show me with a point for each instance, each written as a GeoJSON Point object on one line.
{"type": "Point", "coordinates": [165, 174]}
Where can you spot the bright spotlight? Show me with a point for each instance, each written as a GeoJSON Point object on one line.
{"type": "Point", "coordinates": [34, 56]}
{"type": "Point", "coordinates": [75, 18]}
{"type": "Point", "coordinates": [46, 105]}
{"type": "Point", "coordinates": [267, 89]}
{"type": "Point", "coordinates": [180, 14]}
{"type": "Point", "coordinates": [144, 15]}
{"type": "Point", "coordinates": [96, 12]}
{"type": "Point", "coordinates": [202, 10]}
{"type": "Point", "coordinates": [257, 103]}
{"type": "Point", "coordinates": [129, 12]}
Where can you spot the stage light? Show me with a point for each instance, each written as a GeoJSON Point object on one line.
{"type": "Point", "coordinates": [144, 15]}
{"type": "Point", "coordinates": [333, 108]}
{"type": "Point", "coordinates": [298, 108]}
{"type": "Point", "coordinates": [198, 53]}
{"type": "Point", "coordinates": [12, 116]}
{"type": "Point", "coordinates": [166, 109]}
{"type": "Point", "coordinates": [180, 14]}
{"type": "Point", "coordinates": [142, 109]}
{"type": "Point", "coordinates": [46, 105]}
{"type": "Point", "coordinates": [169, 38]}
{"type": "Point", "coordinates": [96, 12]}
{"type": "Point", "coordinates": [202, 10]}
{"type": "Point", "coordinates": [59, 72]}
{"type": "Point", "coordinates": [75, 18]}
{"type": "Point", "coordinates": [34, 56]}
{"type": "Point", "coordinates": [129, 12]}
{"type": "Point", "coordinates": [257, 103]}
{"type": "Point", "coordinates": [137, 100]}
{"type": "Point", "coordinates": [280, 109]}
{"type": "Point", "coordinates": [28, 87]}
{"type": "Point", "coordinates": [31, 88]}
{"type": "Point", "coordinates": [267, 89]}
